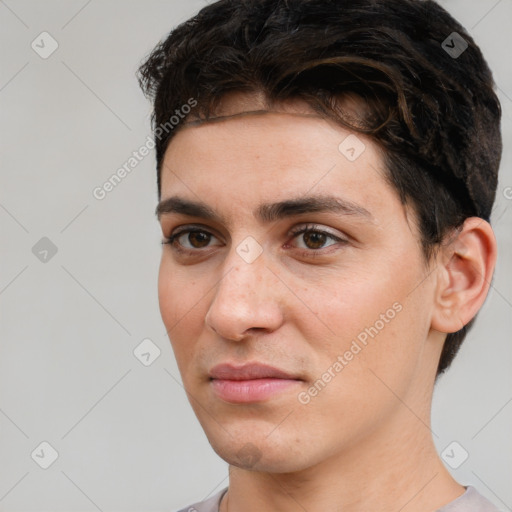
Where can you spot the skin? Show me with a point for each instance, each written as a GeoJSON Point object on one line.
{"type": "Point", "coordinates": [364, 441]}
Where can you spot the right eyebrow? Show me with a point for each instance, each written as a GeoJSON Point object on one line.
{"type": "Point", "coordinates": [176, 204]}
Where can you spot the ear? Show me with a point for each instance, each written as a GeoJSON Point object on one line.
{"type": "Point", "coordinates": [465, 268]}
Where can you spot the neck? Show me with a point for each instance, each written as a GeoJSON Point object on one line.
{"type": "Point", "coordinates": [397, 468]}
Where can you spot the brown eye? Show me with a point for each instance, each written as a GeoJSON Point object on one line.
{"type": "Point", "coordinates": [198, 239]}
{"type": "Point", "coordinates": [190, 240]}
{"type": "Point", "coordinates": [314, 239]}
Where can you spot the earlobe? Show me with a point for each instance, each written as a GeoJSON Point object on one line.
{"type": "Point", "coordinates": [465, 268]}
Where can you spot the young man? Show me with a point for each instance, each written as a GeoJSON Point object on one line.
{"type": "Point", "coordinates": [326, 173]}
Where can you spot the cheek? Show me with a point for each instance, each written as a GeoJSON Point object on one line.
{"type": "Point", "coordinates": [167, 296]}
{"type": "Point", "coordinates": [368, 355]}
{"type": "Point", "coordinates": [371, 317]}
{"type": "Point", "coordinates": [181, 308]}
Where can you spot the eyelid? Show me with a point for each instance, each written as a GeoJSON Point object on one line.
{"type": "Point", "coordinates": [193, 227]}
{"type": "Point", "coordinates": [294, 232]}
{"type": "Point", "coordinates": [317, 228]}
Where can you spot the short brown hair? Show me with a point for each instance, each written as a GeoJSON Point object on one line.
{"type": "Point", "coordinates": [434, 113]}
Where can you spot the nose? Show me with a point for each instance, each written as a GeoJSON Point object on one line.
{"type": "Point", "coordinates": [246, 298]}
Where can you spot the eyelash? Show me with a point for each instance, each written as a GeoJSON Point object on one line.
{"type": "Point", "coordinates": [309, 228]}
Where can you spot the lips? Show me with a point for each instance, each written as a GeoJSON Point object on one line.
{"type": "Point", "coordinates": [252, 382]}
{"type": "Point", "coordinates": [249, 371]}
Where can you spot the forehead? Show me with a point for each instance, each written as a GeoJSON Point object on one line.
{"type": "Point", "coordinates": [248, 155]}
{"type": "Point", "coordinates": [290, 145]}
{"type": "Point", "coordinates": [250, 119]}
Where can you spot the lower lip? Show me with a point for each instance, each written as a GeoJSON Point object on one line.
{"type": "Point", "coordinates": [243, 391]}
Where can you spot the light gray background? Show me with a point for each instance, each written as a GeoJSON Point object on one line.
{"type": "Point", "coordinates": [125, 434]}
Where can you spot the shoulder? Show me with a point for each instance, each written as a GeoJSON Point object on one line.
{"type": "Point", "coordinates": [209, 505]}
{"type": "Point", "coordinates": [470, 501]}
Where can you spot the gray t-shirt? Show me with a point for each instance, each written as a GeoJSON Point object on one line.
{"type": "Point", "coordinates": [470, 501]}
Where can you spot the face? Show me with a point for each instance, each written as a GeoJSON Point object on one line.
{"type": "Point", "coordinates": [336, 301]}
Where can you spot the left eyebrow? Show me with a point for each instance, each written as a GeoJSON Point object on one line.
{"type": "Point", "coordinates": [267, 212]}
{"type": "Point", "coordinates": [270, 212]}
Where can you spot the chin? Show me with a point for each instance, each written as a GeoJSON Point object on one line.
{"type": "Point", "coordinates": [254, 454]}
